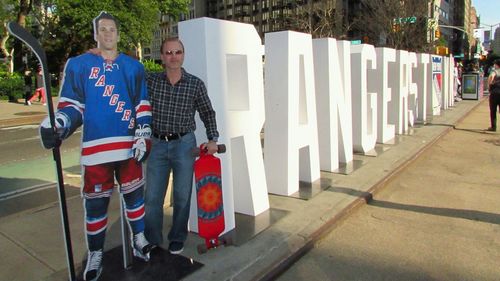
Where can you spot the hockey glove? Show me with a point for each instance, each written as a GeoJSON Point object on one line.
{"type": "Point", "coordinates": [51, 137]}
{"type": "Point", "coordinates": [142, 142]}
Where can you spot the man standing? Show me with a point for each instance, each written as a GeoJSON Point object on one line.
{"type": "Point", "coordinates": [175, 96]}
{"type": "Point", "coordinates": [108, 95]}
{"type": "Point", "coordinates": [40, 89]}
{"type": "Point", "coordinates": [28, 82]}
{"type": "Point", "coordinates": [494, 99]}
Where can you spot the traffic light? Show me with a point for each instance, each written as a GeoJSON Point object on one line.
{"type": "Point", "coordinates": [396, 27]}
{"type": "Point", "coordinates": [437, 34]}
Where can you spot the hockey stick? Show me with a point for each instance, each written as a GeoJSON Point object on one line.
{"type": "Point", "coordinates": [23, 35]}
{"type": "Point", "coordinates": [126, 235]}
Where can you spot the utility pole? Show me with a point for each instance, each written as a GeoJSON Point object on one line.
{"type": "Point", "coordinates": [491, 30]}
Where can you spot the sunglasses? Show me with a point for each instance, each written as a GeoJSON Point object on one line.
{"type": "Point", "coordinates": [174, 52]}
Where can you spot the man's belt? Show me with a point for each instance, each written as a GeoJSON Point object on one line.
{"type": "Point", "coordinates": [169, 136]}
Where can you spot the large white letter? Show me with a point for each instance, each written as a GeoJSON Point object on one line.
{"type": "Point", "coordinates": [451, 81]}
{"type": "Point", "coordinates": [445, 96]}
{"type": "Point", "coordinates": [364, 104]}
{"type": "Point", "coordinates": [398, 107]}
{"type": "Point", "coordinates": [227, 56]}
{"type": "Point", "coordinates": [290, 127]}
{"type": "Point", "coordinates": [331, 104]}
{"type": "Point", "coordinates": [413, 90]}
{"type": "Point", "coordinates": [421, 76]}
{"type": "Point", "coordinates": [378, 81]}
{"type": "Point", "coordinates": [343, 100]}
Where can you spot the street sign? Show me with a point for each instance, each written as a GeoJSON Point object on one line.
{"type": "Point", "coordinates": [355, 42]}
{"type": "Point", "coordinates": [406, 20]}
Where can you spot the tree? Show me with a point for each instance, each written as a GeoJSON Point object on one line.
{"type": "Point", "coordinates": [174, 8]}
{"type": "Point", "coordinates": [395, 23]}
{"type": "Point", "coordinates": [319, 18]}
{"type": "Point", "coordinates": [65, 27]}
{"type": "Point", "coordinates": [68, 30]}
{"type": "Point", "coordinates": [8, 13]}
{"type": "Point", "coordinates": [23, 11]}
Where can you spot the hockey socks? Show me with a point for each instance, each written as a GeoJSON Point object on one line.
{"type": "Point", "coordinates": [96, 220]}
{"type": "Point", "coordinates": [134, 204]}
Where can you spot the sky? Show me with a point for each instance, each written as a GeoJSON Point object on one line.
{"type": "Point", "coordinates": [489, 11]}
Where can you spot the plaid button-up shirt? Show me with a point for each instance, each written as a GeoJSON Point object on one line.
{"type": "Point", "coordinates": [174, 106]}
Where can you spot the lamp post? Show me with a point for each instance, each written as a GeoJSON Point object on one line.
{"type": "Point", "coordinates": [491, 27]}
{"type": "Point", "coordinates": [460, 29]}
{"type": "Point", "coordinates": [491, 30]}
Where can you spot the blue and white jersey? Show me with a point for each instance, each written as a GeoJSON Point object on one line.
{"type": "Point", "coordinates": [110, 99]}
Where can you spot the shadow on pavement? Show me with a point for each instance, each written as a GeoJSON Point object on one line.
{"type": "Point", "coordinates": [447, 212]}
{"type": "Point", "coordinates": [480, 131]}
{"type": "Point", "coordinates": [40, 196]}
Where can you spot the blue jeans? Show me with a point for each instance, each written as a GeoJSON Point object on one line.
{"type": "Point", "coordinates": [165, 157]}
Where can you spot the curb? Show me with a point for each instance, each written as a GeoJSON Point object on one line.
{"type": "Point", "coordinates": [20, 121]}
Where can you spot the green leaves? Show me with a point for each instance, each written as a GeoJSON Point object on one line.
{"type": "Point", "coordinates": [65, 27]}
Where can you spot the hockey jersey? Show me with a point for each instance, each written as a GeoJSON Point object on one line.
{"type": "Point", "coordinates": [110, 99]}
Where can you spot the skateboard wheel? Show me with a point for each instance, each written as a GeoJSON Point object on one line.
{"type": "Point", "coordinates": [227, 241]}
{"type": "Point", "coordinates": [221, 148]}
{"type": "Point", "coordinates": [202, 248]}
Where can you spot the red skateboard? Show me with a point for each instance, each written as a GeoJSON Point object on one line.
{"type": "Point", "coordinates": [207, 172]}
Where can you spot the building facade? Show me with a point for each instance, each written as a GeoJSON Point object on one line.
{"type": "Point", "coordinates": [168, 28]}
{"type": "Point", "coordinates": [278, 15]}
{"type": "Point", "coordinates": [275, 15]}
{"type": "Point", "coordinates": [462, 15]}
{"type": "Point", "coordinates": [495, 43]}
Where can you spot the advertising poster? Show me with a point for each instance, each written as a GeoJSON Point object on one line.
{"type": "Point", "coordinates": [437, 73]}
{"type": "Point", "coordinates": [470, 86]}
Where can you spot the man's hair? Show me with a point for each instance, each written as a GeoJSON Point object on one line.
{"type": "Point", "coordinates": [497, 62]}
{"type": "Point", "coordinates": [105, 15]}
{"type": "Point", "coordinates": [171, 39]}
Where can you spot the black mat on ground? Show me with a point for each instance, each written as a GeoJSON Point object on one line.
{"type": "Point", "coordinates": [162, 266]}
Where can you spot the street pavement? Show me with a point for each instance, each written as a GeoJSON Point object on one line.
{"type": "Point", "coordinates": [14, 114]}
{"type": "Point", "coordinates": [31, 240]}
{"type": "Point", "coordinates": [438, 219]}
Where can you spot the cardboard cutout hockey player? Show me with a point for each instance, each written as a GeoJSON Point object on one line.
{"type": "Point", "coordinates": [107, 95]}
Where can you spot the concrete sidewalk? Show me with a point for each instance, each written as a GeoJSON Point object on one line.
{"type": "Point", "coordinates": [33, 240]}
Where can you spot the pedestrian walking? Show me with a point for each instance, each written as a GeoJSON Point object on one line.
{"type": "Point", "coordinates": [40, 90]}
{"type": "Point", "coordinates": [28, 86]}
{"type": "Point", "coordinates": [494, 98]}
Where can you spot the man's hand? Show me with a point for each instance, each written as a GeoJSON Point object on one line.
{"type": "Point", "coordinates": [142, 143]}
{"type": "Point", "coordinates": [51, 137]}
{"type": "Point", "coordinates": [210, 147]}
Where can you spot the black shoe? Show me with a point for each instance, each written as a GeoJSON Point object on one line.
{"type": "Point", "coordinates": [175, 248]}
{"type": "Point", "coordinates": [156, 250]}
{"type": "Point", "coordinates": [491, 129]}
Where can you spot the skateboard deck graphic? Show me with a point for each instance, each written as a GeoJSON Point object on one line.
{"type": "Point", "coordinates": [207, 171]}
